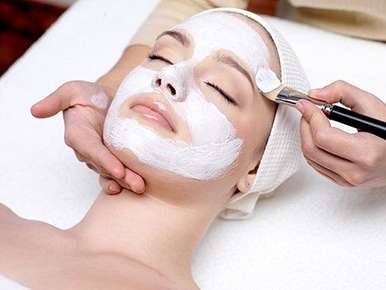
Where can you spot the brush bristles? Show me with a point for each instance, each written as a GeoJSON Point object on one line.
{"type": "Point", "coordinates": [272, 95]}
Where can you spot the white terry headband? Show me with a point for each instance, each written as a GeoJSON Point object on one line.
{"type": "Point", "coordinates": [282, 154]}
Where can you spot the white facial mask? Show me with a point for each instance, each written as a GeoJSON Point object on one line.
{"type": "Point", "coordinates": [214, 147]}
{"type": "Point", "coordinates": [212, 31]}
{"type": "Point", "coordinates": [214, 144]}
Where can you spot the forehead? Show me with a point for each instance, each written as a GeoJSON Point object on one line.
{"type": "Point", "coordinates": [220, 30]}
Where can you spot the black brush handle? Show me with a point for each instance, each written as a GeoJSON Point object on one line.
{"type": "Point", "coordinates": [359, 121]}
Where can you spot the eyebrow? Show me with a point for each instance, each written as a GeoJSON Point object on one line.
{"type": "Point", "coordinates": [234, 64]}
{"type": "Point", "coordinates": [180, 37]}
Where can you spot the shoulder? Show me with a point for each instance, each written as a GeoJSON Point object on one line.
{"type": "Point", "coordinates": [21, 237]}
{"type": "Point", "coordinates": [153, 279]}
{"type": "Point", "coordinates": [9, 222]}
{"type": "Point", "coordinates": [114, 271]}
{"type": "Point", "coordinates": [122, 273]}
{"type": "Point", "coordinates": [14, 226]}
{"type": "Point", "coordinates": [5, 213]}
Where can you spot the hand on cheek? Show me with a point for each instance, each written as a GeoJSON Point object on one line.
{"type": "Point", "coordinates": [84, 106]}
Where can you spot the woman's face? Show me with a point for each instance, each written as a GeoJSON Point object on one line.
{"type": "Point", "coordinates": [191, 112]}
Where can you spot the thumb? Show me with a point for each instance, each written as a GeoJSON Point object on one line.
{"type": "Point", "coordinates": [70, 94]}
{"type": "Point", "coordinates": [52, 104]}
{"type": "Point", "coordinates": [313, 115]}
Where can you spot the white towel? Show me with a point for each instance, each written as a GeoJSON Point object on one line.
{"type": "Point", "coordinates": [8, 284]}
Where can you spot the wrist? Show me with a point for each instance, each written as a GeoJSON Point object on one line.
{"type": "Point", "coordinates": [108, 85]}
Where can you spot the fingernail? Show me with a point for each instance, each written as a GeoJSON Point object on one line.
{"type": "Point", "coordinates": [113, 188]}
{"type": "Point", "coordinates": [300, 106]}
{"type": "Point", "coordinates": [34, 106]}
{"type": "Point", "coordinates": [140, 191]}
{"type": "Point", "coordinates": [135, 189]}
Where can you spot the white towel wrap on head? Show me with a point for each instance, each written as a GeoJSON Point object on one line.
{"type": "Point", "coordinates": [282, 155]}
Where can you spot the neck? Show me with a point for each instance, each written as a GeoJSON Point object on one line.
{"type": "Point", "coordinates": [155, 233]}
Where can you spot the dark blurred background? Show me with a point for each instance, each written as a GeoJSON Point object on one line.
{"type": "Point", "coordinates": [22, 22]}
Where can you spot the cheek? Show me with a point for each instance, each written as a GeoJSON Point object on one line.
{"type": "Point", "coordinates": [248, 151]}
{"type": "Point", "coordinates": [249, 129]}
{"type": "Point", "coordinates": [242, 121]}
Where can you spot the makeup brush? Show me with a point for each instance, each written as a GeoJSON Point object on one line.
{"type": "Point", "coordinates": [288, 96]}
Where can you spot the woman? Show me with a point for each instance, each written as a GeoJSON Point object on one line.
{"type": "Point", "coordinates": [325, 155]}
{"type": "Point", "coordinates": [191, 121]}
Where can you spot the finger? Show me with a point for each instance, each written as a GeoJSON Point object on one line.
{"type": "Point", "coordinates": [328, 173]}
{"type": "Point", "coordinates": [70, 94]}
{"type": "Point", "coordinates": [336, 164]}
{"type": "Point", "coordinates": [109, 186]}
{"type": "Point", "coordinates": [79, 157]}
{"type": "Point", "coordinates": [57, 101]}
{"type": "Point", "coordinates": [317, 122]}
{"type": "Point", "coordinates": [92, 149]}
{"type": "Point", "coordinates": [313, 115]}
{"type": "Point", "coordinates": [131, 180]}
{"type": "Point", "coordinates": [88, 164]}
{"type": "Point", "coordinates": [333, 140]}
{"type": "Point", "coordinates": [318, 155]}
{"type": "Point", "coordinates": [135, 181]}
{"type": "Point", "coordinates": [97, 169]}
{"type": "Point", "coordinates": [106, 162]}
{"type": "Point", "coordinates": [92, 167]}
{"type": "Point", "coordinates": [353, 97]}
{"type": "Point", "coordinates": [324, 136]}
{"type": "Point", "coordinates": [340, 143]}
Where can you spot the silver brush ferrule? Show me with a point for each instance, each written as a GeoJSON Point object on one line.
{"type": "Point", "coordinates": [290, 97]}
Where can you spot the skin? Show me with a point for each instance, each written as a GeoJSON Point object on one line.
{"type": "Point", "coordinates": [73, 98]}
{"type": "Point", "coordinates": [325, 147]}
{"type": "Point", "coordinates": [146, 241]}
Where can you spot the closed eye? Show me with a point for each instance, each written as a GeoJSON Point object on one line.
{"type": "Point", "coordinates": [160, 58]}
{"type": "Point", "coordinates": [221, 92]}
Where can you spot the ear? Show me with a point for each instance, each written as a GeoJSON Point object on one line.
{"type": "Point", "coordinates": [246, 181]}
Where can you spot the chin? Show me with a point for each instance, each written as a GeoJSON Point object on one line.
{"type": "Point", "coordinates": [182, 191]}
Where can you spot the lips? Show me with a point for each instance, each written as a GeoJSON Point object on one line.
{"type": "Point", "coordinates": [154, 111]}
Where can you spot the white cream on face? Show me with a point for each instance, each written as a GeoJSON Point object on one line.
{"type": "Point", "coordinates": [215, 146]}
{"type": "Point", "coordinates": [214, 31]}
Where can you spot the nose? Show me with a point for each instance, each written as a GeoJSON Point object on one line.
{"type": "Point", "coordinates": [167, 88]}
{"type": "Point", "coordinates": [171, 82]}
